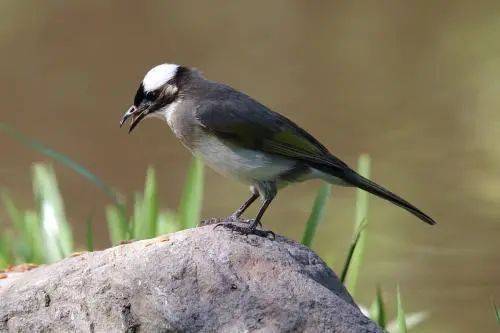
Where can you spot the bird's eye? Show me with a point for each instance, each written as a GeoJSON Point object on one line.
{"type": "Point", "coordinates": [152, 95]}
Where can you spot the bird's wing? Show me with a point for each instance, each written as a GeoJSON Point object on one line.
{"type": "Point", "coordinates": [249, 124]}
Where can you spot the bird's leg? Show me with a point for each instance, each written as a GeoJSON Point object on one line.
{"type": "Point", "coordinates": [261, 212]}
{"type": "Point", "coordinates": [252, 228]}
{"type": "Point", "coordinates": [235, 217]}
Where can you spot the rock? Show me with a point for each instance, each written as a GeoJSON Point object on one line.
{"type": "Point", "coordinates": [197, 280]}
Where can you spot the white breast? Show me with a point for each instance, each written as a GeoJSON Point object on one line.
{"type": "Point", "coordinates": [245, 164]}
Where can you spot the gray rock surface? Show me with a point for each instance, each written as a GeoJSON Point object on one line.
{"type": "Point", "coordinates": [197, 280]}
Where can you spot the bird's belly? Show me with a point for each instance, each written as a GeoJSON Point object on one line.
{"type": "Point", "coordinates": [245, 164]}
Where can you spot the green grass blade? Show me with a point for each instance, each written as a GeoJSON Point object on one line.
{"type": "Point", "coordinates": [117, 225]}
{"type": "Point", "coordinates": [33, 237]}
{"type": "Point", "coordinates": [28, 248]}
{"type": "Point", "coordinates": [167, 223]}
{"type": "Point", "coordinates": [350, 253]}
{"type": "Point", "coordinates": [317, 214]}
{"type": "Point", "coordinates": [146, 209]}
{"type": "Point", "coordinates": [377, 310]}
{"type": "Point", "coordinates": [5, 250]}
{"type": "Point", "coordinates": [137, 216]}
{"type": "Point", "coordinates": [13, 213]}
{"type": "Point", "coordinates": [400, 317]}
{"type": "Point", "coordinates": [56, 231]}
{"type": "Point", "coordinates": [125, 226]}
{"type": "Point", "coordinates": [149, 221]}
{"type": "Point", "coordinates": [192, 197]}
{"type": "Point", "coordinates": [89, 236]}
{"type": "Point", "coordinates": [22, 247]}
{"type": "Point", "coordinates": [63, 159]}
{"type": "Point", "coordinates": [360, 219]}
{"type": "Point", "coordinates": [496, 309]}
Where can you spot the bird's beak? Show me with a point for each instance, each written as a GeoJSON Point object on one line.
{"type": "Point", "coordinates": [137, 114]}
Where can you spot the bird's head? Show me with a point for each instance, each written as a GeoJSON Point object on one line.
{"type": "Point", "coordinates": [158, 89]}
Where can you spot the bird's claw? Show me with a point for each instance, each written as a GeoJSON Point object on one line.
{"type": "Point", "coordinates": [234, 218]}
{"type": "Point", "coordinates": [244, 230]}
{"type": "Point", "coordinates": [229, 219]}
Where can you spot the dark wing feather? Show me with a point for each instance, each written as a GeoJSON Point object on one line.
{"type": "Point", "coordinates": [246, 123]}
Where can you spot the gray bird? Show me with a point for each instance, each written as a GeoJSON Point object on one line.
{"type": "Point", "coordinates": [241, 138]}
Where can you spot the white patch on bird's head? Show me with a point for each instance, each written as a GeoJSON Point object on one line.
{"type": "Point", "coordinates": [158, 76]}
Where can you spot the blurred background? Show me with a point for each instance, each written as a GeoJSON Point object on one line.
{"type": "Point", "coordinates": [414, 84]}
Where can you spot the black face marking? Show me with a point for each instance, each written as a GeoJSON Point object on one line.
{"type": "Point", "coordinates": [165, 94]}
{"type": "Point", "coordinates": [142, 96]}
{"type": "Point", "coordinates": [139, 95]}
{"type": "Point", "coordinates": [151, 96]}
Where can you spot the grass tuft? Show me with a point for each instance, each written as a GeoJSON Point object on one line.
{"type": "Point", "coordinates": [56, 230]}
{"type": "Point", "coordinates": [28, 247]}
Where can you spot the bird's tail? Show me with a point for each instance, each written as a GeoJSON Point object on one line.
{"type": "Point", "coordinates": [355, 179]}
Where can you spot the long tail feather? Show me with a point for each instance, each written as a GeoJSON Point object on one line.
{"type": "Point", "coordinates": [357, 180]}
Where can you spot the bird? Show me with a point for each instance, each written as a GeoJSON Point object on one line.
{"type": "Point", "coordinates": [239, 137]}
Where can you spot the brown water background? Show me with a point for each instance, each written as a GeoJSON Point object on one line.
{"type": "Point", "coordinates": [416, 84]}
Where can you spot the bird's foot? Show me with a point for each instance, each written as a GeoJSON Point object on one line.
{"type": "Point", "coordinates": [244, 230]}
{"type": "Point", "coordinates": [213, 220]}
{"type": "Point", "coordinates": [234, 218]}
{"type": "Point", "coordinates": [230, 219]}
{"type": "Point", "coordinates": [219, 220]}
